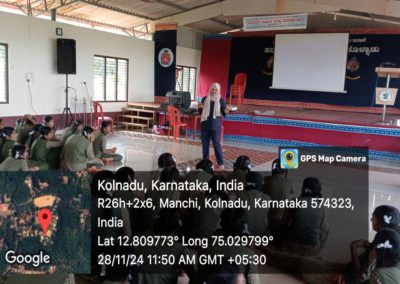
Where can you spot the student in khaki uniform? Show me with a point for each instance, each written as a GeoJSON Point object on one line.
{"type": "Point", "coordinates": [305, 228]}
{"type": "Point", "coordinates": [17, 160]}
{"type": "Point", "coordinates": [24, 128]}
{"type": "Point", "coordinates": [100, 143]}
{"type": "Point", "coordinates": [48, 120]}
{"type": "Point", "coordinates": [45, 151]}
{"type": "Point", "coordinates": [234, 223]}
{"type": "Point", "coordinates": [1, 128]}
{"type": "Point", "coordinates": [362, 264]}
{"type": "Point", "coordinates": [166, 160]}
{"type": "Point", "coordinates": [241, 167]}
{"type": "Point", "coordinates": [77, 153]}
{"type": "Point", "coordinates": [33, 135]}
{"type": "Point", "coordinates": [203, 173]}
{"type": "Point", "coordinates": [257, 217]}
{"type": "Point", "coordinates": [170, 222]}
{"type": "Point", "coordinates": [278, 187]}
{"type": "Point", "coordinates": [206, 220]}
{"type": "Point", "coordinates": [75, 128]}
{"type": "Point", "coordinates": [387, 250]}
{"type": "Point", "coordinates": [9, 138]}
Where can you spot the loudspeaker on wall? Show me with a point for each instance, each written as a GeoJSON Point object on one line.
{"type": "Point", "coordinates": [66, 56]}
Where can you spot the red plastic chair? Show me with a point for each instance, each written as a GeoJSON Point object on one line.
{"type": "Point", "coordinates": [237, 89]}
{"type": "Point", "coordinates": [175, 123]}
{"type": "Point", "coordinates": [98, 116]}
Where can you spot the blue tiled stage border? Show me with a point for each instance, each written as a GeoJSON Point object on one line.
{"type": "Point", "coordinates": [314, 125]}
{"type": "Point", "coordinates": [379, 155]}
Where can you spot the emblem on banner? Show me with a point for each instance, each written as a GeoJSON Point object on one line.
{"type": "Point", "coordinates": [165, 57]}
{"type": "Point", "coordinates": [352, 66]}
{"type": "Point", "coordinates": [385, 96]}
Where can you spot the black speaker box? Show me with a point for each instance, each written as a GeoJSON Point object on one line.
{"type": "Point", "coordinates": [66, 56]}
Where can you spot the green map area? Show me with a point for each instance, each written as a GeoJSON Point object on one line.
{"type": "Point", "coordinates": [67, 239]}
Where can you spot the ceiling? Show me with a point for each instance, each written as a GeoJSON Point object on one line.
{"type": "Point", "coordinates": [209, 16]}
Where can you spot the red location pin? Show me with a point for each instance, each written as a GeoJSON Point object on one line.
{"type": "Point", "coordinates": [45, 216]}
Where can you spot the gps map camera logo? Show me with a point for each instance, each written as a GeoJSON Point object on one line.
{"type": "Point", "coordinates": [289, 159]}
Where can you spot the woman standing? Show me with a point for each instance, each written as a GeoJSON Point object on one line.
{"type": "Point", "coordinates": [214, 107]}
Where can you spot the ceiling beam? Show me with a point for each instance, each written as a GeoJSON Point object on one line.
{"type": "Point", "coordinates": [61, 5]}
{"type": "Point", "coordinates": [242, 8]}
{"type": "Point", "coordinates": [116, 9]}
{"type": "Point", "coordinates": [183, 9]}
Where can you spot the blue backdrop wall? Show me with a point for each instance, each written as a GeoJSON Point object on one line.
{"type": "Point", "coordinates": [254, 56]}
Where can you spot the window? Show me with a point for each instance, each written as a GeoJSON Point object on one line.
{"type": "Point", "coordinates": [110, 79]}
{"type": "Point", "coordinates": [3, 73]}
{"type": "Point", "coordinates": [186, 79]}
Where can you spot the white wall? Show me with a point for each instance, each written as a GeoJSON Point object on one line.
{"type": "Point", "coordinates": [187, 37]}
{"type": "Point", "coordinates": [32, 49]}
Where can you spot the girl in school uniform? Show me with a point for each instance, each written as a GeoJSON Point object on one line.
{"type": "Point", "coordinates": [75, 128]}
{"type": "Point", "coordinates": [9, 137]}
{"type": "Point", "coordinates": [17, 160]}
{"type": "Point", "coordinates": [45, 151]}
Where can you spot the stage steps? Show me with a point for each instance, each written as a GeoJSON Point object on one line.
{"type": "Point", "coordinates": [138, 116]}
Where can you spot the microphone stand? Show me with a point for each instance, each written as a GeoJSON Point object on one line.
{"type": "Point", "coordinates": [84, 111]}
{"type": "Point", "coordinates": [75, 105]}
{"type": "Point", "coordinates": [90, 103]}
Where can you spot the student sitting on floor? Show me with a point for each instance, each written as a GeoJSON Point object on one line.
{"type": "Point", "coordinates": [24, 128]}
{"type": "Point", "coordinates": [278, 187]}
{"type": "Point", "coordinates": [75, 128]}
{"type": "Point", "coordinates": [258, 217]}
{"type": "Point", "coordinates": [9, 138]}
{"type": "Point", "coordinates": [1, 130]}
{"type": "Point", "coordinates": [33, 135]}
{"type": "Point", "coordinates": [206, 220]}
{"type": "Point", "coordinates": [225, 273]}
{"type": "Point", "coordinates": [77, 153]}
{"type": "Point", "coordinates": [1, 124]}
{"type": "Point", "coordinates": [45, 151]}
{"type": "Point", "coordinates": [49, 121]}
{"type": "Point", "coordinates": [100, 143]}
{"type": "Point", "coordinates": [17, 161]}
{"type": "Point", "coordinates": [166, 160]}
{"type": "Point", "coordinates": [234, 223]}
{"type": "Point", "coordinates": [169, 222]}
{"type": "Point", "coordinates": [203, 173]}
{"type": "Point", "coordinates": [387, 250]}
{"type": "Point", "coordinates": [383, 217]}
{"type": "Point", "coordinates": [241, 167]}
{"type": "Point", "coordinates": [305, 229]}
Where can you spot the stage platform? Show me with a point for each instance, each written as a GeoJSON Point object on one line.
{"type": "Point", "coordinates": [305, 127]}
{"type": "Point", "coordinates": [289, 126]}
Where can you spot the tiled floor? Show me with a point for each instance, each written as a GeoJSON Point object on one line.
{"type": "Point", "coordinates": [141, 152]}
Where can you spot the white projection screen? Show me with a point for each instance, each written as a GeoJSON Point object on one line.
{"type": "Point", "coordinates": [310, 62]}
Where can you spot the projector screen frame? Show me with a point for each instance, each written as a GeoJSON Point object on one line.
{"type": "Point", "coordinates": [341, 81]}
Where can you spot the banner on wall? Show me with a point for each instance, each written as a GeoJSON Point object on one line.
{"type": "Point", "coordinates": [165, 39]}
{"type": "Point", "coordinates": [255, 57]}
{"type": "Point", "coordinates": [272, 23]}
{"type": "Point", "coordinates": [214, 66]}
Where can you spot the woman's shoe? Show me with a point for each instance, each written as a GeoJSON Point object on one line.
{"type": "Point", "coordinates": [219, 168]}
